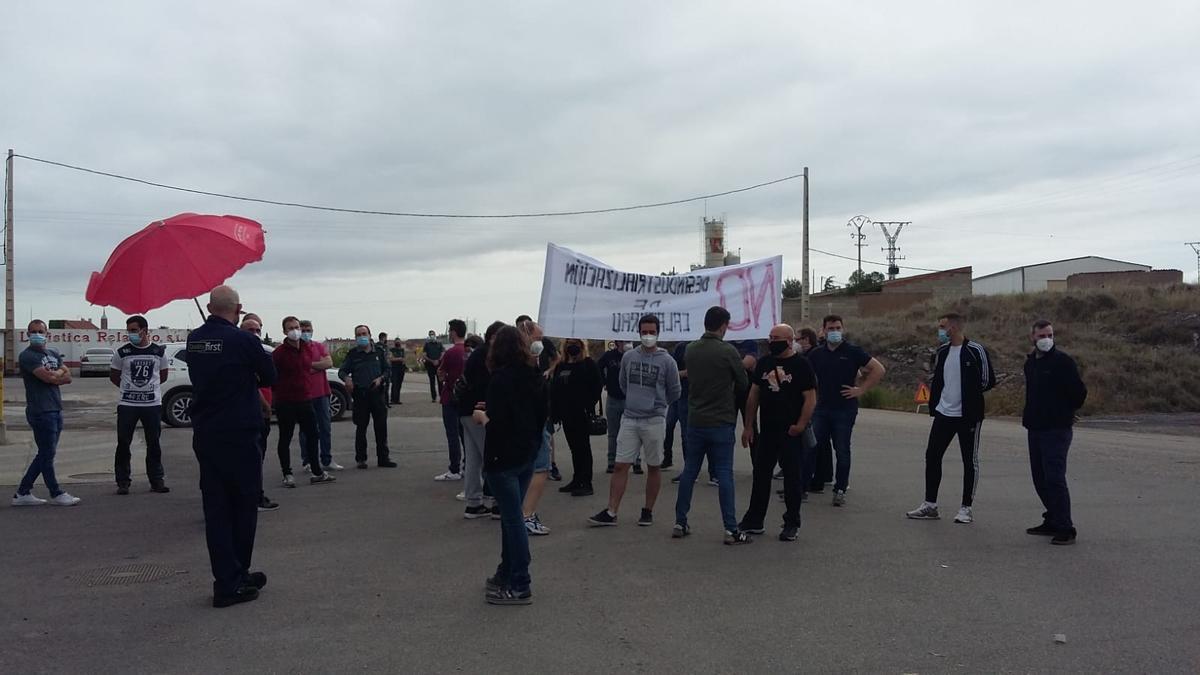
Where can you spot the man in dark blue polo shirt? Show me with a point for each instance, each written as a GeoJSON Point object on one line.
{"type": "Point", "coordinates": [838, 365]}
{"type": "Point", "coordinates": [227, 366]}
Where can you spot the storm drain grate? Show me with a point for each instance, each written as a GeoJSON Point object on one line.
{"type": "Point", "coordinates": [124, 575]}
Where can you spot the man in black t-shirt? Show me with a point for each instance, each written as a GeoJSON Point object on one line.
{"type": "Point", "coordinates": [432, 356]}
{"type": "Point", "coordinates": [396, 358]}
{"type": "Point", "coordinates": [782, 397]}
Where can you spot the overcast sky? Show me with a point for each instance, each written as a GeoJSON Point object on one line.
{"type": "Point", "coordinates": [1026, 132]}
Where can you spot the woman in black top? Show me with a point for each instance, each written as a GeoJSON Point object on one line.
{"type": "Point", "coordinates": [515, 416]}
{"type": "Point", "coordinates": [573, 397]}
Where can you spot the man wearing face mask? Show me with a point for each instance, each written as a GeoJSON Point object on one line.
{"type": "Point", "coordinates": [396, 359]}
{"type": "Point", "coordinates": [650, 381]}
{"type": "Point", "coordinates": [1053, 393]}
{"type": "Point", "coordinates": [364, 372]}
{"type": "Point", "coordinates": [139, 368]}
{"type": "Point", "coordinates": [294, 362]}
{"type": "Point", "coordinates": [319, 390]}
{"type": "Point", "coordinates": [431, 354]}
{"type": "Point", "coordinates": [614, 402]}
{"type": "Point", "coordinates": [782, 399]}
{"type": "Point", "coordinates": [43, 370]}
{"type": "Point", "coordinates": [962, 373]}
{"type": "Point", "coordinates": [837, 366]}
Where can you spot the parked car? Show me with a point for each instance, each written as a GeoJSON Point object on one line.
{"type": "Point", "coordinates": [177, 390]}
{"type": "Point", "coordinates": [96, 361]}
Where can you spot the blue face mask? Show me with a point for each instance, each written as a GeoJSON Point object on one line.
{"type": "Point", "coordinates": [943, 336]}
{"type": "Point", "coordinates": [306, 336]}
{"type": "Point", "coordinates": [37, 339]}
{"type": "Point", "coordinates": [833, 337]}
{"type": "Point", "coordinates": [135, 339]}
{"type": "Point", "coordinates": [363, 341]}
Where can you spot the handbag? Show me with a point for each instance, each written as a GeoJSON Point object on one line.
{"type": "Point", "coordinates": [597, 424]}
{"type": "Point", "coordinates": [458, 392]}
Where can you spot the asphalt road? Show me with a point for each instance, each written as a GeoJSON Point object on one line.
{"type": "Point", "coordinates": [379, 572]}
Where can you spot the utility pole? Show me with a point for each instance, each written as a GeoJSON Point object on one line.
{"type": "Point", "coordinates": [1196, 247]}
{"type": "Point", "coordinates": [10, 335]}
{"type": "Point", "coordinates": [804, 299]}
{"type": "Point", "coordinates": [892, 250]}
{"type": "Point", "coordinates": [860, 239]}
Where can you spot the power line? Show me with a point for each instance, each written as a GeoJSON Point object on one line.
{"type": "Point", "coordinates": [869, 262]}
{"type": "Point", "coordinates": [405, 214]}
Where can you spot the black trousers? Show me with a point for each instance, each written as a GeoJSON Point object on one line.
{"type": "Point", "coordinates": [397, 382]}
{"type": "Point", "coordinates": [576, 428]}
{"type": "Point", "coordinates": [370, 407]}
{"type": "Point", "coordinates": [1048, 464]}
{"type": "Point", "coordinates": [943, 431]}
{"type": "Point", "coordinates": [290, 414]}
{"type": "Point", "coordinates": [771, 448]}
{"type": "Point", "coordinates": [230, 488]}
{"type": "Point", "coordinates": [263, 436]}
{"type": "Point", "coordinates": [128, 417]}
{"type": "Point", "coordinates": [823, 465]}
{"type": "Point", "coordinates": [431, 370]}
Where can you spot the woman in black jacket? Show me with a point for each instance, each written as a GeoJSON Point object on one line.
{"type": "Point", "coordinates": [515, 417]}
{"type": "Point", "coordinates": [574, 393]}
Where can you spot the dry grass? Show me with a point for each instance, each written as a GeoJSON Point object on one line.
{"type": "Point", "coordinates": [1135, 348]}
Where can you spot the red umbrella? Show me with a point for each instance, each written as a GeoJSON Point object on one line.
{"type": "Point", "coordinates": [181, 257]}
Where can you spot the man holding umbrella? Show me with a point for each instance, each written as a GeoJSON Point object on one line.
{"type": "Point", "coordinates": [227, 366]}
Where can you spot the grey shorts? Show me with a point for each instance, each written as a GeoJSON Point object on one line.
{"type": "Point", "coordinates": [646, 434]}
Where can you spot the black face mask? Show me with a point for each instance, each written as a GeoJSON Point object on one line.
{"type": "Point", "coordinates": [777, 348]}
{"type": "Point", "coordinates": [574, 350]}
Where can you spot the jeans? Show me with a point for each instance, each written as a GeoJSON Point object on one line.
{"type": "Point", "coordinates": [613, 410]}
{"type": "Point", "coordinates": [576, 429]}
{"type": "Point", "coordinates": [834, 425]}
{"type": "Point", "coordinates": [677, 412]}
{"type": "Point", "coordinates": [473, 439]}
{"type": "Point", "coordinates": [47, 427]}
{"type": "Point", "coordinates": [397, 382]}
{"type": "Point", "coordinates": [453, 436]}
{"type": "Point", "coordinates": [370, 409]}
{"type": "Point", "coordinates": [1048, 464]}
{"type": "Point", "coordinates": [788, 451]}
{"type": "Point", "coordinates": [291, 414]}
{"type": "Point", "coordinates": [320, 407]}
{"type": "Point", "coordinates": [431, 370]}
{"type": "Point", "coordinates": [717, 444]}
{"type": "Point", "coordinates": [943, 431]}
{"type": "Point", "coordinates": [128, 417]}
{"type": "Point", "coordinates": [509, 487]}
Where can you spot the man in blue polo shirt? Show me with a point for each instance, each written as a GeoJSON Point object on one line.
{"type": "Point", "coordinates": [838, 365]}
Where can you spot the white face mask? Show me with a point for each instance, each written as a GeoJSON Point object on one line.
{"type": "Point", "coordinates": [627, 346]}
{"type": "Point", "coordinates": [536, 347]}
{"type": "Point", "coordinates": [1045, 344]}
{"type": "Point", "coordinates": [648, 341]}
{"type": "Point", "coordinates": [293, 334]}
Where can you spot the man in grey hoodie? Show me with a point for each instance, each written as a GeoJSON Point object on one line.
{"type": "Point", "coordinates": [650, 380]}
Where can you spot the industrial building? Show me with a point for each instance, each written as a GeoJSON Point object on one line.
{"type": "Point", "coordinates": [1048, 276]}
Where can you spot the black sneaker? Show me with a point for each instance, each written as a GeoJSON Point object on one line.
{"type": "Point", "coordinates": [610, 469]}
{"type": "Point", "coordinates": [387, 464]}
{"type": "Point", "coordinates": [789, 533]}
{"type": "Point", "coordinates": [817, 488]}
{"type": "Point", "coordinates": [123, 489]}
{"type": "Point", "coordinates": [495, 511]}
{"type": "Point", "coordinates": [361, 465]}
{"type": "Point", "coordinates": [322, 479]}
{"type": "Point", "coordinates": [569, 487]}
{"type": "Point", "coordinates": [490, 585]}
{"type": "Point", "coordinates": [265, 504]}
{"type": "Point", "coordinates": [675, 479]}
{"type": "Point", "coordinates": [1064, 538]}
{"type": "Point", "coordinates": [159, 487]}
{"type": "Point", "coordinates": [666, 464]}
{"type": "Point", "coordinates": [604, 518]}
{"type": "Point", "coordinates": [1042, 530]}
{"type": "Point", "coordinates": [584, 491]}
{"type": "Point", "coordinates": [554, 473]}
{"type": "Point", "coordinates": [646, 519]}
{"type": "Point", "coordinates": [257, 580]}
{"type": "Point", "coordinates": [737, 538]}
{"type": "Point", "coordinates": [473, 512]}
{"type": "Point", "coordinates": [637, 469]}
{"type": "Point", "coordinates": [507, 596]}
{"type": "Point", "coordinates": [245, 593]}
{"type": "Point", "coordinates": [751, 529]}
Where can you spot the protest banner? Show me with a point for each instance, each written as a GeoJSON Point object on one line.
{"type": "Point", "coordinates": [585, 298]}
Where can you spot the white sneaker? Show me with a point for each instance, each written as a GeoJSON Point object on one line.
{"type": "Point", "coordinates": [288, 481]}
{"type": "Point", "coordinates": [925, 511]}
{"type": "Point", "coordinates": [462, 496]}
{"type": "Point", "coordinates": [65, 499]}
{"type": "Point", "coordinates": [443, 477]}
{"type": "Point", "coordinates": [333, 466]}
{"type": "Point", "coordinates": [964, 515]}
{"type": "Point", "coordinates": [534, 526]}
{"type": "Point", "coordinates": [27, 500]}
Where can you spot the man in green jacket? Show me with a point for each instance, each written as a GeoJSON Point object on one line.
{"type": "Point", "coordinates": [717, 380]}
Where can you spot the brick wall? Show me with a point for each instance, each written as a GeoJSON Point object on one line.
{"type": "Point", "coordinates": [1086, 280]}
